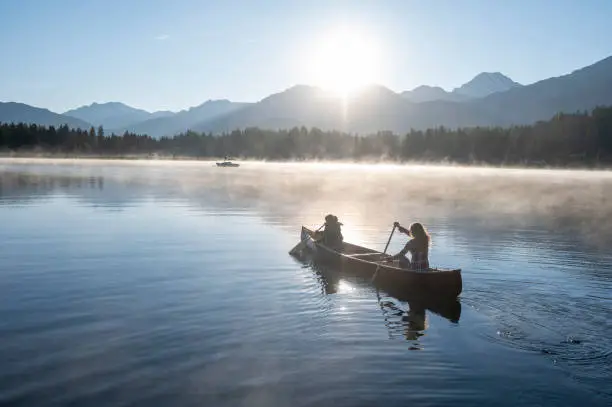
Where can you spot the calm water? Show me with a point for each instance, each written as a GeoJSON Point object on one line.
{"type": "Point", "coordinates": [157, 284]}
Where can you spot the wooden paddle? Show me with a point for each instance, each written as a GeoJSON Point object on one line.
{"type": "Point", "coordinates": [300, 246]}
{"type": "Point", "coordinates": [385, 252]}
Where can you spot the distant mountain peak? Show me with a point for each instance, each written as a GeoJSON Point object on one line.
{"type": "Point", "coordinates": [174, 123]}
{"type": "Point", "coordinates": [425, 93]}
{"type": "Point", "coordinates": [491, 75]}
{"type": "Point", "coordinates": [486, 83]}
{"type": "Point", "coordinates": [375, 87]}
{"type": "Point", "coordinates": [107, 104]}
{"type": "Point", "coordinates": [307, 91]}
{"type": "Point", "coordinates": [210, 103]}
{"type": "Point", "coordinates": [109, 114]}
{"type": "Point", "coordinates": [299, 90]}
{"type": "Point", "coordinates": [427, 88]}
{"type": "Point", "coordinates": [96, 106]}
{"type": "Point", "coordinates": [15, 112]}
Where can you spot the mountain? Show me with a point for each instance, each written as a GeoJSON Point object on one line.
{"type": "Point", "coordinates": [374, 109]}
{"type": "Point", "coordinates": [300, 105]}
{"type": "Point", "coordinates": [480, 86]}
{"type": "Point", "coordinates": [378, 108]}
{"type": "Point", "coordinates": [20, 112]}
{"type": "Point", "coordinates": [431, 93]}
{"type": "Point", "coordinates": [583, 89]}
{"type": "Point", "coordinates": [484, 84]}
{"type": "Point", "coordinates": [113, 114]}
{"type": "Point", "coordinates": [183, 120]}
{"type": "Point", "coordinates": [489, 99]}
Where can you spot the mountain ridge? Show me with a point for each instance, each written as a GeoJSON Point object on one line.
{"type": "Point", "coordinates": [113, 114]}
{"type": "Point", "coordinates": [374, 109]}
{"type": "Point", "coordinates": [183, 120]}
{"type": "Point", "coordinates": [582, 89]}
{"type": "Point", "coordinates": [485, 84]}
{"type": "Point", "coordinates": [488, 99]}
{"type": "Point", "coordinates": [16, 112]}
{"type": "Point", "coordinates": [481, 85]}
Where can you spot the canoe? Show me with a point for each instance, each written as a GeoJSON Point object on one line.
{"type": "Point", "coordinates": [228, 164]}
{"type": "Point", "coordinates": [361, 261]}
{"type": "Point", "coordinates": [329, 278]}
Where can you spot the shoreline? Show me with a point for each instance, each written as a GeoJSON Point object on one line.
{"type": "Point", "coordinates": [141, 158]}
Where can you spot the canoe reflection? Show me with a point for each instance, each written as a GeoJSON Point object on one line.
{"type": "Point", "coordinates": [403, 315]}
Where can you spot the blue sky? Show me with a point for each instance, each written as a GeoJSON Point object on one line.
{"type": "Point", "coordinates": [173, 54]}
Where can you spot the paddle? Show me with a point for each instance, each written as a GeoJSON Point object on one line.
{"type": "Point", "coordinates": [385, 252]}
{"type": "Point", "coordinates": [300, 246]}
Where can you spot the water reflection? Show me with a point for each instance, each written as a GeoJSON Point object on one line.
{"type": "Point", "coordinates": [534, 250]}
{"type": "Point", "coordinates": [412, 322]}
{"type": "Point", "coordinates": [575, 204]}
{"type": "Point", "coordinates": [404, 315]}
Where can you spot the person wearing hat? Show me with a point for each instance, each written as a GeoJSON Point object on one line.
{"type": "Point", "coordinates": [332, 234]}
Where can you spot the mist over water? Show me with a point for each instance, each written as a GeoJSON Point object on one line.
{"type": "Point", "coordinates": [160, 282]}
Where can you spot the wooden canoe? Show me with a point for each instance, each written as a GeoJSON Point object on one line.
{"type": "Point", "coordinates": [329, 278]}
{"type": "Point", "coordinates": [358, 260]}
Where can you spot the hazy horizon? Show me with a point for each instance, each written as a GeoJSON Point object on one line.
{"type": "Point", "coordinates": [160, 56]}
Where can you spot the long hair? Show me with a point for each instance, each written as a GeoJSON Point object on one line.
{"type": "Point", "coordinates": [419, 232]}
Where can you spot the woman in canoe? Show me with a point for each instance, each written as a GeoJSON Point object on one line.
{"type": "Point", "coordinates": [418, 247]}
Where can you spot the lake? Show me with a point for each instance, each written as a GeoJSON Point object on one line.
{"type": "Point", "coordinates": [157, 283]}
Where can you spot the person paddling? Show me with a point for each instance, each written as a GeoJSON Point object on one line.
{"type": "Point", "coordinates": [418, 247]}
{"type": "Point", "coordinates": [332, 234]}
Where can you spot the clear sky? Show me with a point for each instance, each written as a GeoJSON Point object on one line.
{"type": "Point", "coordinates": [172, 54]}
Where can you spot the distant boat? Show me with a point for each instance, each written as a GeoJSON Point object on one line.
{"type": "Point", "coordinates": [228, 164]}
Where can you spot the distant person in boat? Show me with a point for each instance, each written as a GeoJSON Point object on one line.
{"type": "Point", "coordinates": [332, 234]}
{"type": "Point", "coordinates": [418, 247]}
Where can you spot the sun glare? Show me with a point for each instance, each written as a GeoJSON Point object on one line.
{"type": "Point", "coordinates": [344, 61]}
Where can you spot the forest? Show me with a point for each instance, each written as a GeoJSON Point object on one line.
{"type": "Point", "coordinates": [579, 139]}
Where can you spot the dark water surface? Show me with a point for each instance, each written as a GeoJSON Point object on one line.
{"type": "Point", "coordinates": [161, 283]}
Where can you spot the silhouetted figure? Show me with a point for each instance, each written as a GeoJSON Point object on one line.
{"type": "Point", "coordinates": [418, 247]}
{"type": "Point", "coordinates": [332, 234]}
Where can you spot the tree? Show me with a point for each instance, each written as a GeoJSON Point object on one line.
{"type": "Point", "coordinates": [565, 139]}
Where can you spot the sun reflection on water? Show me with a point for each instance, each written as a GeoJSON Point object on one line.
{"type": "Point", "coordinates": [345, 287]}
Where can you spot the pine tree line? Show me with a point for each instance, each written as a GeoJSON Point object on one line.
{"type": "Point", "coordinates": [580, 138]}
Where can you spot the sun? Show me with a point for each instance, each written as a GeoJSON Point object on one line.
{"type": "Point", "coordinates": [344, 61]}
